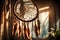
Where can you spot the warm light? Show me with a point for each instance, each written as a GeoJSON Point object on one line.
{"type": "Point", "coordinates": [7, 25]}
{"type": "Point", "coordinates": [44, 8]}
{"type": "Point", "coordinates": [2, 29]}
{"type": "Point", "coordinates": [52, 28]}
{"type": "Point", "coordinates": [7, 15]}
{"type": "Point", "coordinates": [43, 15]}
{"type": "Point", "coordinates": [2, 25]}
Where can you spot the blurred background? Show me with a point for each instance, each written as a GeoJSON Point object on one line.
{"type": "Point", "coordinates": [49, 18]}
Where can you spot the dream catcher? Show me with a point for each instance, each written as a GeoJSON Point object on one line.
{"type": "Point", "coordinates": [26, 11]}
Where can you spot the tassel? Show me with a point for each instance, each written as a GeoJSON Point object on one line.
{"type": "Point", "coordinates": [14, 28]}
{"type": "Point", "coordinates": [38, 23]}
{"type": "Point", "coordinates": [28, 30]}
{"type": "Point", "coordinates": [19, 34]}
{"type": "Point", "coordinates": [25, 31]}
{"type": "Point", "coordinates": [36, 29]}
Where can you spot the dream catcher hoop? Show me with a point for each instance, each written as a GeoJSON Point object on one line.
{"type": "Point", "coordinates": [26, 11]}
